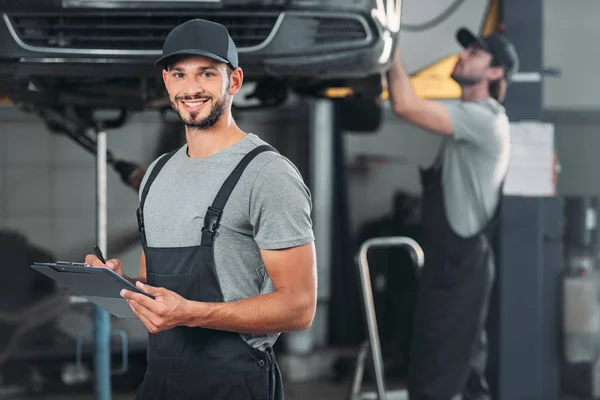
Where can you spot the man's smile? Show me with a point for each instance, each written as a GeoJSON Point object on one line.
{"type": "Point", "coordinates": [193, 105]}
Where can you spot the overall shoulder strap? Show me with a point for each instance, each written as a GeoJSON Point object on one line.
{"type": "Point", "coordinates": [157, 168]}
{"type": "Point", "coordinates": [214, 212]}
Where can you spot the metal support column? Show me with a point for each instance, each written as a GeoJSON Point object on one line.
{"type": "Point", "coordinates": [524, 352]}
{"type": "Point", "coordinates": [102, 317]}
{"type": "Point", "coordinates": [322, 130]}
{"type": "Point", "coordinates": [322, 136]}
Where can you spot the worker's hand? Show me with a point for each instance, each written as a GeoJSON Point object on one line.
{"type": "Point", "coordinates": [167, 310]}
{"type": "Point", "coordinates": [114, 264]}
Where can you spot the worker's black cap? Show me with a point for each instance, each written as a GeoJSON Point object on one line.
{"type": "Point", "coordinates": [502, 50]}
{"type": "Point", "coordinates": [199, 37]}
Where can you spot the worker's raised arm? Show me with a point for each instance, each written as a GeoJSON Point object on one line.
{"type": "Point", "coordinates": [427, 114]}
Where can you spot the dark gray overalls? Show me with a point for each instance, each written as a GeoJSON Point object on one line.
{"type": "Point", "coordinates": [449, 350]}
{"type": "Point", "coordinates": [195, 363]}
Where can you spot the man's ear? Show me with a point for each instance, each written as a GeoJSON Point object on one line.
{"type": "Point", "coordinates": [236, 80]}
{"type": "Point", "coordinates": [165, 74]}
{"type": "Point", "coordinates": [495, 73]}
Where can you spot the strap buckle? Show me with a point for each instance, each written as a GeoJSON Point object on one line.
{"type": "Point", "coordinates": [140, 219]}
{"type": "Point", "coordinates": [212, 220]}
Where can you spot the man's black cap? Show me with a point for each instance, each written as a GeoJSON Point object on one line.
{"type": "Point", "coordinates": [200, 38]}
{"type": "Point", "coordinates": [502, 51]}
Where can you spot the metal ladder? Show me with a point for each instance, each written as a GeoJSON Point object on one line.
{"type": "Point", "coordinates": [373, 342]}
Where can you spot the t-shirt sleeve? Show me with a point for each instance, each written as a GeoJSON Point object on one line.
{"type": "Point", "coordinates": [280, 207]}
{"type": "Point", "coordinates": [474, 123]}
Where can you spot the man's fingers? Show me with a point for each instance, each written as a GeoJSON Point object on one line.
{"type": "Point", "coordinates": [114, 264]}
{"type": "Point", "coordinates": [150, 318]}
{"type": "Point", "coordinates": [141, 299]}
{"type": "Point", "coordinates": [151, 290]}
{"type": "Point", "coordinates": [137, 310]}
{"type": "Point", "coordinates": [93, 260]}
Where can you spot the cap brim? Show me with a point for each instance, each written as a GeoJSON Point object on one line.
{"type": "Point", "coordinates": [190, 52]}
{"type": "Point", "coordinates": [466, 38]}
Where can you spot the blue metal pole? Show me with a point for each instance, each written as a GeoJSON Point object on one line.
{"type": "Point", "coordinates": [102, 353]}
{"type": "Point", "coordinates": [102, 317]}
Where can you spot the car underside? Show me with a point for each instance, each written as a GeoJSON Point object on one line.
{"type": "Point", "coordinates": [99, 54]}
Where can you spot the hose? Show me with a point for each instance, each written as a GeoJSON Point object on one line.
{"type": "Point", "coordinates": [432, 23]}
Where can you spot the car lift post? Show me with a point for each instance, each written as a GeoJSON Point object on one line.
{"type": "Point", "coordinates": [321, 139]}
{"type": "Point", "coordinates": [101, 317]}
{"type": "Point", "coordinates": [323, 128]}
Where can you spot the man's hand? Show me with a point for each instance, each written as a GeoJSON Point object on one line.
{"type": "Point", "coordinates": [167, 310]}
{"type": "Point", "coordinates": [114, 264]}
{"type": "Point", "coordinates": [426, 114]}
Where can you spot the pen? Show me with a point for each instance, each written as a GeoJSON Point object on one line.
{"type": "Point", "coordinates": [99, 254]}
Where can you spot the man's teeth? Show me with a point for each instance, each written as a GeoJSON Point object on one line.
{"type": "Point", "coordinates": [194, 103]}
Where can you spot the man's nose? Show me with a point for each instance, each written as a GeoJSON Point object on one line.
{"type": "Point", "coordinates": [193, 88]}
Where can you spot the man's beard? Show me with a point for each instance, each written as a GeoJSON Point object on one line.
{"type": "Point", "coordinates": [218, 109]}
{"type": "Point", "coordinates": [465, 81]}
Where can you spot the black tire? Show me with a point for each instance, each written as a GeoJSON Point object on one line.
{"type": "Point", "coordinates": [358, 115]}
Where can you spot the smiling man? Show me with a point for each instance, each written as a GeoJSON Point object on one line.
{"type": "Point", "coordinates": [227, 238]}
{"type": "Point", "coordinates": [461, 195]}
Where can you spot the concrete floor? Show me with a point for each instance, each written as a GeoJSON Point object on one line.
{"type": "Point", "coordinates": [293, 391]}
{"type": "Point", "coordinates": [312, 391]}
{"type": "Point", "coordinates": [316, 389]}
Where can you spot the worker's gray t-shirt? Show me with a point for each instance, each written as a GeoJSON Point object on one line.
{"type": "Point", "coordinates": [475, 160]}
{"type": "Point", "coordinates": [269, 208]}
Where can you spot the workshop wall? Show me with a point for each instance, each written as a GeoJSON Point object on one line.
{"type": "Point", "coordinates": [577, 144]}
{"type": "Point", "coordinates": [47, 182]}
{"type": "Point", "coordinates": [571, 101]}
{"type": "Point", "coordinates": [401, 148]}
{"type": "Point", "coordinates": [432, 25]}
{"type": "Point", "coordinates": [570, 37]}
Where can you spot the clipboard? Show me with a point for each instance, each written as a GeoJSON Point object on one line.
{"type": "Point", "coordinates": [99, 285]}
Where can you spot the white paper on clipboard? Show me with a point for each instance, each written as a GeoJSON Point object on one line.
{"type": "Point", "coordinates": [531, 169]}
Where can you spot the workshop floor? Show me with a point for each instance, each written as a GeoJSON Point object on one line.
{"type": "Point", "coordinates": [324, 389]}
{"type": "Point", "coordinates": [293, 391]}
{"type": "Point", "coordinates": [303, 391]}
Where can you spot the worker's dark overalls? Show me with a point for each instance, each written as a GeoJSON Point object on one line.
{"type": "Point", "coordinates": [449, 352]}
{"type": "Point", "coordinates": [195, 363]}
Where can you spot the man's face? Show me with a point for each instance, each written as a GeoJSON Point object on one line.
{"type": "Point", "coordinates": [199, 90]}
{"type": "Point", "coordinates": [473, 66]}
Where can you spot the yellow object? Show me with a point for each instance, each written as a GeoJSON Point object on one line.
{"type": "Point", "coordinates": [338, 92]}
{"type": "Point", "coordinates": [491, 19]}
{"type": "Point", "coordinates": [435, 82]}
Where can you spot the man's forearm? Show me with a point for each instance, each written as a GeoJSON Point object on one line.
{"type": "Point", "coordinates": [401, 92]}
{"type": "Point", "coordinates": [268, 313]}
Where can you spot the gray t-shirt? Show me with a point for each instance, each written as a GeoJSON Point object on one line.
{"type": "Point", "coordinates": [475, 161]}
{"type": "Point", "coordinates": [270, 208]}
